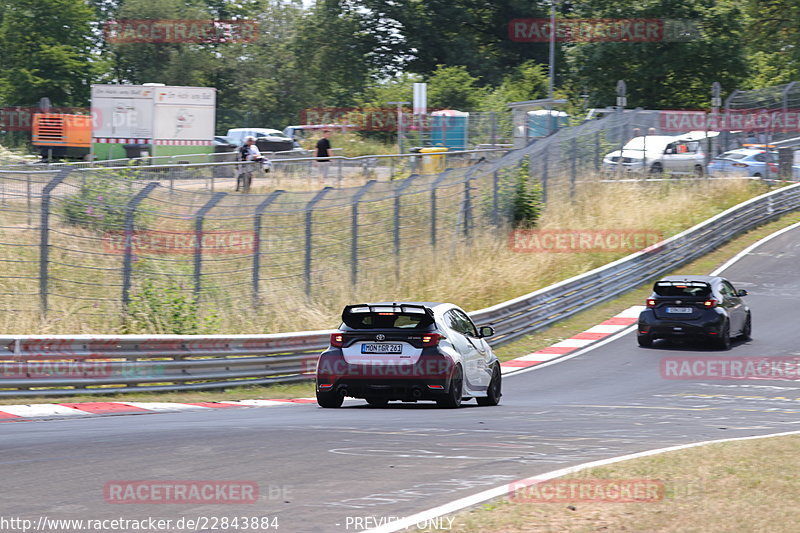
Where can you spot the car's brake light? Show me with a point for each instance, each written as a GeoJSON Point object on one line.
{"type": "Point", "coordinates": [651, 302]}
{"type": "Point", "coordinates": [337, 340]}
{"type": "Point", "coordinates": [432, 339]}
{"type": "Point", "coordinates": [708, 304]}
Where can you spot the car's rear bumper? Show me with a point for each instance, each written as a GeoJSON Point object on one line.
{"type": "Point", "coordinates": [427, 379]}
{"type": "Point", "coordinates": [658, 328]}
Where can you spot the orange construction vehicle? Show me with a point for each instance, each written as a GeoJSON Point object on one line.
{"type": "Point", "coordinates": [62, 136]}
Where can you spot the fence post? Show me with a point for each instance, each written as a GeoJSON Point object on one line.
{"type": "Point", "coordinates": [434, 186]}
{"type": "Point", "coordinates": [354, 228]}
{"type": "Point", "coordinates": [28, 194]}
{"type": "Point", "coordinates": [597, 151]}
{"type": "Point", "coordinates": [199, 217]}
{"type": "Point", "coordinates": [544, 177]}
{"type": "Point", "coordinates": [127, 259]}
{"type": "Point", "coordinates": [309, 220]}
{"type": "Point", "coordinates": [573, 167]}
{"type": "Point", "coordinates": [495, 199]}
{"type": "Point", "coordinates": [262, 207]}
{"type": "Point", "coordinates": [493, 115]}
{"type": "Point", "coordinates": [397, 196]}
{"type": "Point", "coordinates": [44, 245]}
{"type": "Point", "coordinates": [467, 205]}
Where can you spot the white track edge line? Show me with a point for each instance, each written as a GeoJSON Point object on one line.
{"type": "Point", "coordinates": [753, 246]}
{"type": "Point", "coordinates": [469, 501]}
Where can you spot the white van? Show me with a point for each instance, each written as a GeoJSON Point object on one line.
{"type": "Point", "coordinates": [656, 154]}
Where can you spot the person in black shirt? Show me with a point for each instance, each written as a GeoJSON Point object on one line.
{"type": "Point", "coordinates": [322, 153]}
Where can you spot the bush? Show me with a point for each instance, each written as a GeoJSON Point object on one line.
{"type": "Point", "coordinates": [100, 203]}
{"type": "Point", "coordinates": [167, 308]}
{"type": "Point", "coordinates": [527, 199]}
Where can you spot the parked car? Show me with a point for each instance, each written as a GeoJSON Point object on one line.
{"type": "Point", "coordinates": [661, 153]}
{"type": "Point", "coordinates": [408, 352]}
{"type": "Point", "coordinates": [267, 140]}
{"type": "Point", "coordinates": [695, 307]}
{"type": "Point", "coordinates": [751, 161]}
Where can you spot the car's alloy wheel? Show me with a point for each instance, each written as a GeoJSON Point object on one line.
{"type": "Point", "coordinates": [747, 330]}
{"type": "Point", "coordinates": [698, 171]}
{"type": "Point", "coordinates": [330, 399]}
{"type": "Point", "coordinates": [645, 341]}
{"type": "Point", "coordinates": [724, 340]}
{"type": "Point", "coordinates": [378, 402]}
{"type": "Point", "coordinates": [493, 393]}
{"type": "Point", "coordinates": [656, 168]}
{"type": "Point", "coordinates": [455, 392]}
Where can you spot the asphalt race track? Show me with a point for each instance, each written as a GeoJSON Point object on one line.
{"type": "Point", "coordinates": [319, 470]}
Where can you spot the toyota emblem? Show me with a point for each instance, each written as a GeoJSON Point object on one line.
{"type": "Point", "coordinates": [380, 337]}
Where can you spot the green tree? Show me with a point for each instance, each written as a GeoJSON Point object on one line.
{"type": "Point", "coordinates": [47, 52]}
{"type": "Point", "coordinates": [772, 26]}
{"type": "Point", "coordinates": [661, 75]}
{"type": "Point", "coordinates": [454, 88]}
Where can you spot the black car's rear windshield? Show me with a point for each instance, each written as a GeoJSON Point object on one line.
{"type": "Point", "coordinates": [388, 317]}
{"type": "Point", "coordinates": [691, 289]}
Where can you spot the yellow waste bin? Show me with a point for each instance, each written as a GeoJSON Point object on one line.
{"type": "Point", "coordinates": [435, 162]}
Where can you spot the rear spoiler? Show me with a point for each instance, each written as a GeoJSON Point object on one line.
{"type": "Point", "coordinates": [681, 284]}
{"type": "Point", "coordinates": [387, 308]}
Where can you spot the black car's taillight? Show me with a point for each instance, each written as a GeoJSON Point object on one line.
{"type": "Point", "coordinates": [710, 303]}
{"type": "Point", "coordinates": [651, 302]}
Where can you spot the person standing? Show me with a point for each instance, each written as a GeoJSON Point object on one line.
{"type": "Point", "coordinates": [248, 152]}
{"type": "Point", "coordinates": [323, 153]}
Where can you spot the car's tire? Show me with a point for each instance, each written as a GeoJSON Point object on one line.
{"type": "Point", "coordinates": [656, 168]}
{"type": "Point", "coordinates": [723, 342]}
{"type": "Point", "coordinates": [698, 171]}
{"type": "Point", "coordinates": [454, 393]}
{"type": "Point", "coordinates": [747, 329]}
{"type": "Point", "coordinates": [494, 391]}
{"type": "Point", "coordinates": [645, 341]}
{"type": "Point", "coordinates": [377, 402]}
{"type": "Point", "coordinates": [757, 175]}
{"type": "Point", "coordinates": [330, 399]}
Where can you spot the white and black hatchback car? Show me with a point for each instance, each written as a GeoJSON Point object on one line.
{"type": "Point", "coordinates": [408, 352]}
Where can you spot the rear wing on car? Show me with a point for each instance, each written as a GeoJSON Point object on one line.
{"type": "Point", "coordinates": [352, 313]}
{"type": "Point", "coordinates": [682, 288]}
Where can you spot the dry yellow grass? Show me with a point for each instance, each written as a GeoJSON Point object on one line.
{"type": "Point", "coordinates": [745, 486]}
{"type": "Point", "coordinates": [482, 273]}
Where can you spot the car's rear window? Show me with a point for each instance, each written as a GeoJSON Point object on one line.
{"type": "Point", "coordinates": [691, 289]}
{"type": "Point", "coordinates": [386, 318]}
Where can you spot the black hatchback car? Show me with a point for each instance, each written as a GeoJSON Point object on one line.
{"type": "Point", "coordinates": [696, 308]}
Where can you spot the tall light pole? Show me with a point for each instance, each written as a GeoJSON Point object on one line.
{"type": "Point", "coordinates": [399, 123]}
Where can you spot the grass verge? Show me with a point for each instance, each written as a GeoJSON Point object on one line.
{"type": "Point", "coordinates": [733, 486]}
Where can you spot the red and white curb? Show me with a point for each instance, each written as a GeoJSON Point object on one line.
{"type": "Point", "coordinates": [11, 413]}
{"type": "Point", "coordinates": [583, 339]}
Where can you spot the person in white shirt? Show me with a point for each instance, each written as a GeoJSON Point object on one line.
{"type": "Point", "coordinates": [248, 152]}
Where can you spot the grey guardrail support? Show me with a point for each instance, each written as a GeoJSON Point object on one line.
{"type": "Point", "coordinates": [44, 239]}
{"type": "Point", "coordinates": [262, 207]}
{"type": "Point", "coordinates": [199, 217]}
{"type": "Point", "coordinates": [354, 230]}
{"type": "Point", "coordinates": [127, 259]}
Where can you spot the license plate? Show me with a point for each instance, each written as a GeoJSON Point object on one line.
{"type": "Point", "coordinates": [679, 309]}
{"type": "Point", "coordinates": [381, 348]}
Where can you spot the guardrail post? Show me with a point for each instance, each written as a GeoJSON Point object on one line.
{"type": "Point", "coordinates": [44, 244]}
{"type": "Point", "coordinates": [354, 228]}
{"type": "Point", "coordinates": [127, 259]}
{"type": "Point", "coordinates": [199, 217]}
{"type": "Point", "coordinates": [309, 235]}
{"type": "Point", "coordinates": [434, 186]}
{"type": "Point", "coordinates": [262, 207]}
{"type": "Point", "coordinates": [397, 204]}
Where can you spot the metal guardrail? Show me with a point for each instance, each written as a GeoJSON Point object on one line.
{"type": "Point", "coordinates": [108, 364]}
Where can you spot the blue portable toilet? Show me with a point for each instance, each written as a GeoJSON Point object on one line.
{"type": "Point", "coordinates": [449, 128]}
{"type": "Point", "coordinates": [543, 122]}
